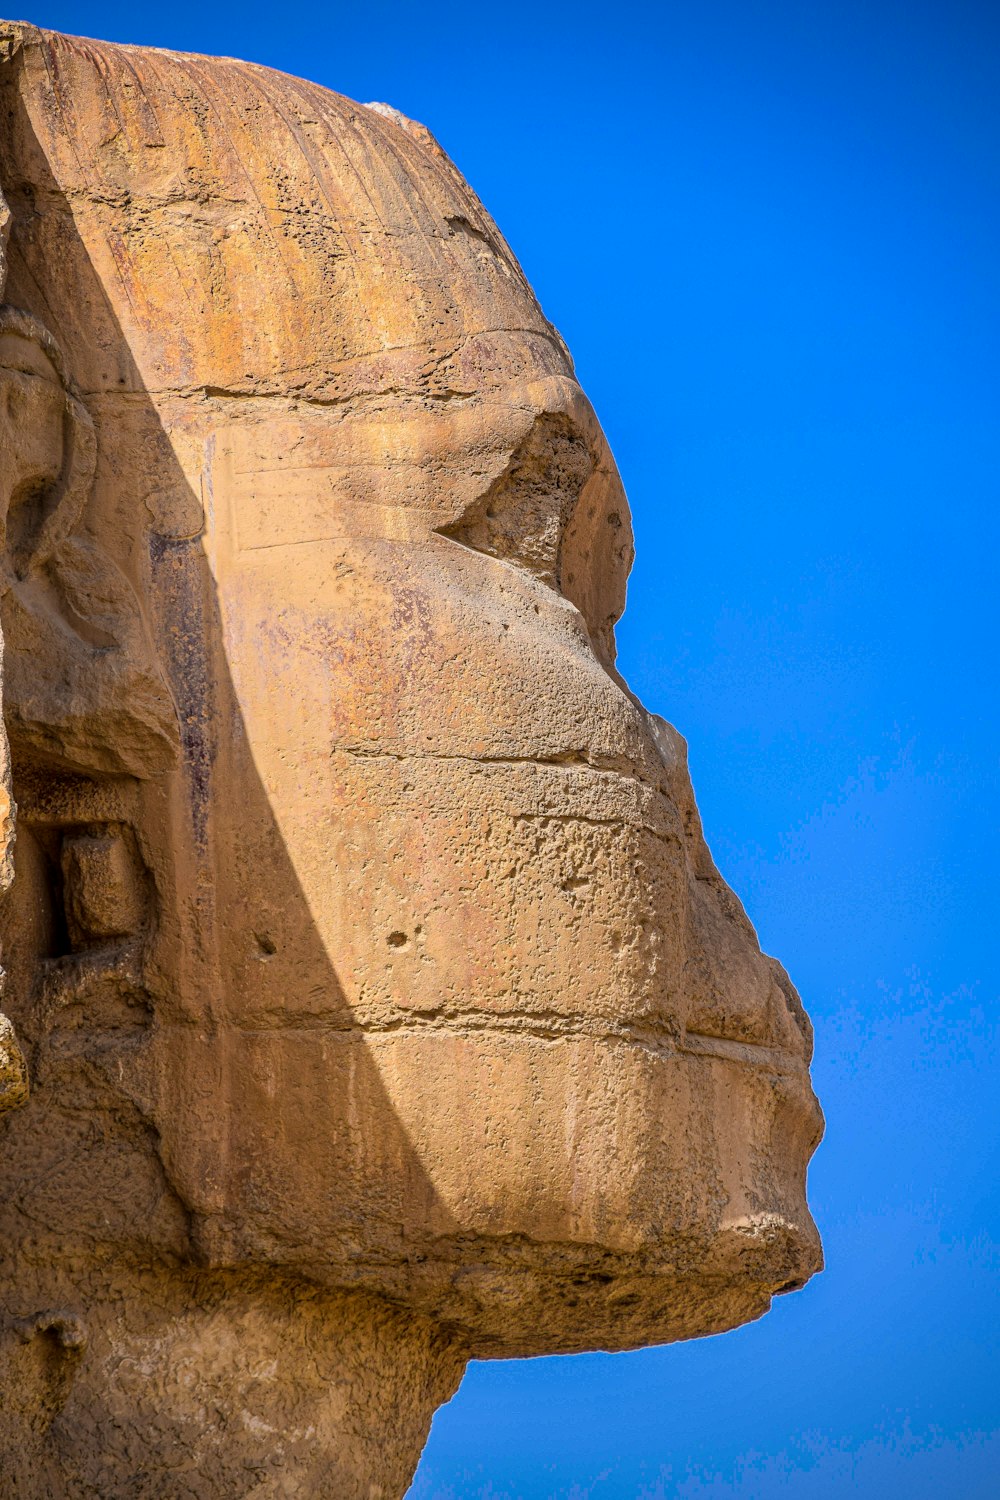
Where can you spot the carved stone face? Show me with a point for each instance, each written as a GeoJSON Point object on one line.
{"type": "Point", "coordinates": [528, 1012]}
{"type": "Point", "coordinates": [443, 994]}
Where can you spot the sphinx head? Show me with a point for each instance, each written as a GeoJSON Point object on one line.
{"type": "Point", "coordinates": [445, 996]}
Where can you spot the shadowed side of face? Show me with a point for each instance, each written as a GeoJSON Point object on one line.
{"type": "Point", "coordinates": [496, 1037]}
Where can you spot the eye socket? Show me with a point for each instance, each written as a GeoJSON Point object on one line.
{"type": "Point", "coordinates": [523, 516]}
{"type": "Point", "coordinates": [559, 511]}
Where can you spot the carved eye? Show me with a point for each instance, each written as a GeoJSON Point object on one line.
{"type": "Point", "coordinates": [559, 510]}
{"type": "Point", "coordinates": [523, 516]}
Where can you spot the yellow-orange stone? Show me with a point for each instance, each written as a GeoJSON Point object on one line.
{"type": "Point", "coordinates": [382, 1003]}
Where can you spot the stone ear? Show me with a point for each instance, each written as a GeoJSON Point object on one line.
{"type": "Point", "coordinates": [51, 518]}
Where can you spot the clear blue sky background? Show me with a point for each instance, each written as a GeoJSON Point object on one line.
{"type": "Point", "coordinates": [771, 235]}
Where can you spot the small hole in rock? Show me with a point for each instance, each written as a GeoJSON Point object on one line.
{"type": "Point", "coordinates": [266, 944]}
{"type": "Point", "coordinates": [396, 940]}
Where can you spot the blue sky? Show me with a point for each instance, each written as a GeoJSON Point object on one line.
{"type": "Point", "coordinates": [769, 233]}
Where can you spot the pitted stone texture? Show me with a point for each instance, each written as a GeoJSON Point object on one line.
{"type": "Point", "coordinates": [385, 1005]}
{"type": "Point", "coordinates": [13, 1071]}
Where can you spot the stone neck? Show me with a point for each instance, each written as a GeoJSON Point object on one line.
{"type": "Point", "coordinates": [219, 1388]}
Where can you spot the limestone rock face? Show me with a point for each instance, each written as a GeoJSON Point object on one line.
{"type": "Point", "coordinates": [13, 1072]}
{"type": "Point", "coordinates": [382, 1002]}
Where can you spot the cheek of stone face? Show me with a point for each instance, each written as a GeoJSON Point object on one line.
{"type": "Point", "coordinates": [507, 891]}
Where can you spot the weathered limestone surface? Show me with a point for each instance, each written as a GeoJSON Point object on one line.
{"type": "Point", "coordinates": [381, 1001]}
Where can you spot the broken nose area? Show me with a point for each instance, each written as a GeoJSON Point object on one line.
{"type": "Point", "coordinates": [735, 993]}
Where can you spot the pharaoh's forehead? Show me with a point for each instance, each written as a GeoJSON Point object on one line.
{"type": "Point", "coordinates": [258, 234]}
{"type": "Point", "coordinates": [22, 354]}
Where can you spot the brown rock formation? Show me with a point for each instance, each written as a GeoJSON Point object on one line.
{"type": "Point", "coordinates": [382, 1002]}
